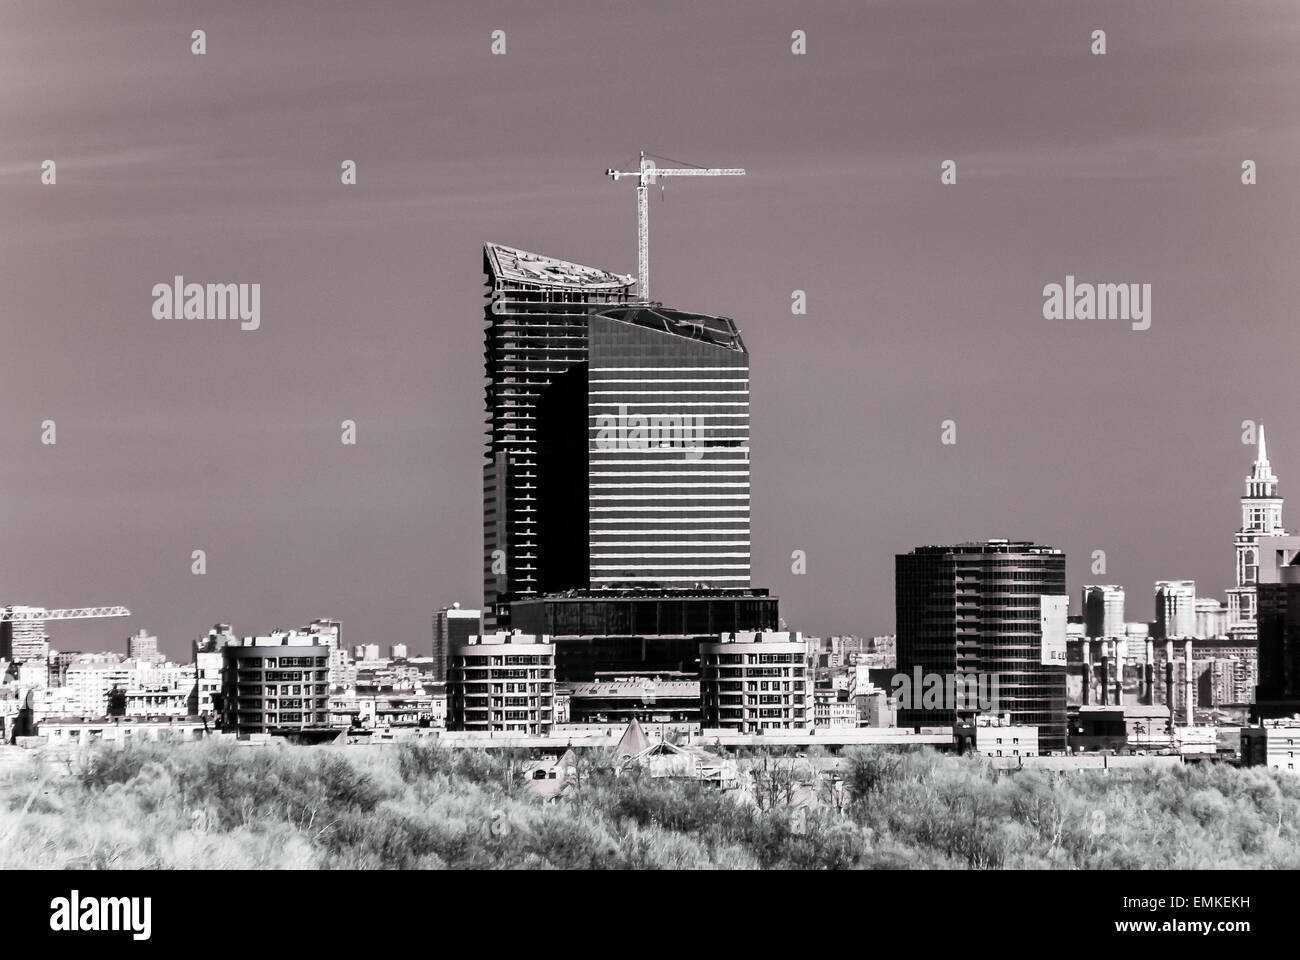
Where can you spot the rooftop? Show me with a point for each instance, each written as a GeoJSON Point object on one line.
{"type": "Point", "coordinates": [656, 593]}
{"type": "Point", "coordinates": [995, 545]}
{"type": "Point", "coordinates": [718, 331]}
{"type": "Point", "coordinates": [636, 689]}
{"type": "Point", "coordinates": [520, 266]}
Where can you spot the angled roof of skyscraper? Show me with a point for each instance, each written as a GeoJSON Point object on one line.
{"type": "Point", "coordinates": [719, 331]}
{"type": "Point", "coordinates": [521, 266]}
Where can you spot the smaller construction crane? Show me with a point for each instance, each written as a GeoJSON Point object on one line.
{"type": "Point", "coordinates": [19, 614]}
{"type": "Point", "coordinates": [25, 639]}
{"type": "Point", "coordinates": [646, 178]}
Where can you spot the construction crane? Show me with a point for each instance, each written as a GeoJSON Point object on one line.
{"type": "Point", "coordinates": [18, 614]}
{"type": "Point", "coordinates": [646, 176]}
{"type": "Point", "coordinates": [22, 629]}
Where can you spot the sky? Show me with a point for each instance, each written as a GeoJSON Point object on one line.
{"type": "Point", "coordinates": [924, 300]}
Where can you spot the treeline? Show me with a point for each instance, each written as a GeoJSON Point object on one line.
{"type": "Point", "coordinates": [217, 805]}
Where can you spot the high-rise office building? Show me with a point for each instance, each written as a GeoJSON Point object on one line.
{"type": "Point", "coordinates": [536, 350]}
{"type": "Point", "coordinates": [1175, 609]}
{"type": "Point", "coordinates": [1103, 611]}
{"type": "Point", "coordinates": [452, 626]}
{"type": "Point", "coordinates": [990, 615]}
{"type": "Point", "coordinates": [618, 473]}
{"type": "Point", "coordinates": [1278, 617]}
{"type": "Point", "coordinates": [619, 438]}
{"type": "Point", "coordinates": [668, 475]}
{"type": "Point", "coordinates": [1261, 516]}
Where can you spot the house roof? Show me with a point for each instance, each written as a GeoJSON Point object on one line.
{"type": "Point", "coordinates": [633, 741]}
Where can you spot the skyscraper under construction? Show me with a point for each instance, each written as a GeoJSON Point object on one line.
{"type": "Point", "coordinates": [618, 443]}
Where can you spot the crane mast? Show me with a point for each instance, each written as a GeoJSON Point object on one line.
{"type": "Point", "coordinates": [646, 176]}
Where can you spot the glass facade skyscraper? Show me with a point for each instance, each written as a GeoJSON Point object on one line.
{"type": "Point", "coordinates": [668, 477]}
{"type": "Point", "coordinates": [986, 610]}
{"type": "Point", "coordinates": [618, 448]}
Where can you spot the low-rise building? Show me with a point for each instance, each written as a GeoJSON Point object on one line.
{"type": "Point", "coordinates": [85, 731]}
{"type": "Point", "coordinates": [834, 708]}
{"type": "Point", "coordinates": [1274, 744]}
{"type": "Point", "coordinates": [387, 710]}
{"type": "Point", "coordinates": [625, 699]}
{"type": "Point", "coordinates": [997, 737]}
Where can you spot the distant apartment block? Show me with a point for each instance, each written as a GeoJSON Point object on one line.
{"type": "Point", "coordinates": [1175, 609]}
{"type": "Point", "coordinates": [502, 683]}
{"type": "Point", "coordinates": [275, 684]}
{"type": "Point", "coordinates": [756, 681]}
{"type": "Point", "coordinates": [144, 647]}
{"type": "Point", "coordinates": [1103, 610]}
{"type": "Point", "coordinates": [23, 639]}
{"type": "Point", "coordinates": [834, 708]}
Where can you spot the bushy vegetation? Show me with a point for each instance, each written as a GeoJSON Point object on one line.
{"type": "Point", "coordinates": [219, 805]}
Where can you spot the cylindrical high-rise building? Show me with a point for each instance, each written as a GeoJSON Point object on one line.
{"type": "Point", "coordinates": [990, 610]}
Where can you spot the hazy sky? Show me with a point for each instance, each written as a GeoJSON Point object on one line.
{"type": "Point", "coordinates": [924, 301]}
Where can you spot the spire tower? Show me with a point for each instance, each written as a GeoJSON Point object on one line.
{"type": "Point", "coordinates": [1261, 516]}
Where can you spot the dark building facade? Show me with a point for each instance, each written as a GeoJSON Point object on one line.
{"type": "Point", "coordinates": [642, 699]}
{"type": "Point", "coordinates": [534, 477]}
{"type": "Point", "coordinates": [1277, 596]}
{"type": "Point", "coordinates": [638, 632]}
{"type": "Point", "coordinates": [977, 611]}
{"type": "Point", "coordinates": [452, 626]}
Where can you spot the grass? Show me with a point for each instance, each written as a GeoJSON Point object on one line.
{"type": "Point", "coordinates": [218, 805]}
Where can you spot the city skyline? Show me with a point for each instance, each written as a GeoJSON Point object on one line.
{"type": "Point", "coordinates": [182, 435]}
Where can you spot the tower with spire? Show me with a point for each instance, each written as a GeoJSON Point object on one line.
{"type": "Point", "coordinates": [1261, 516]}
